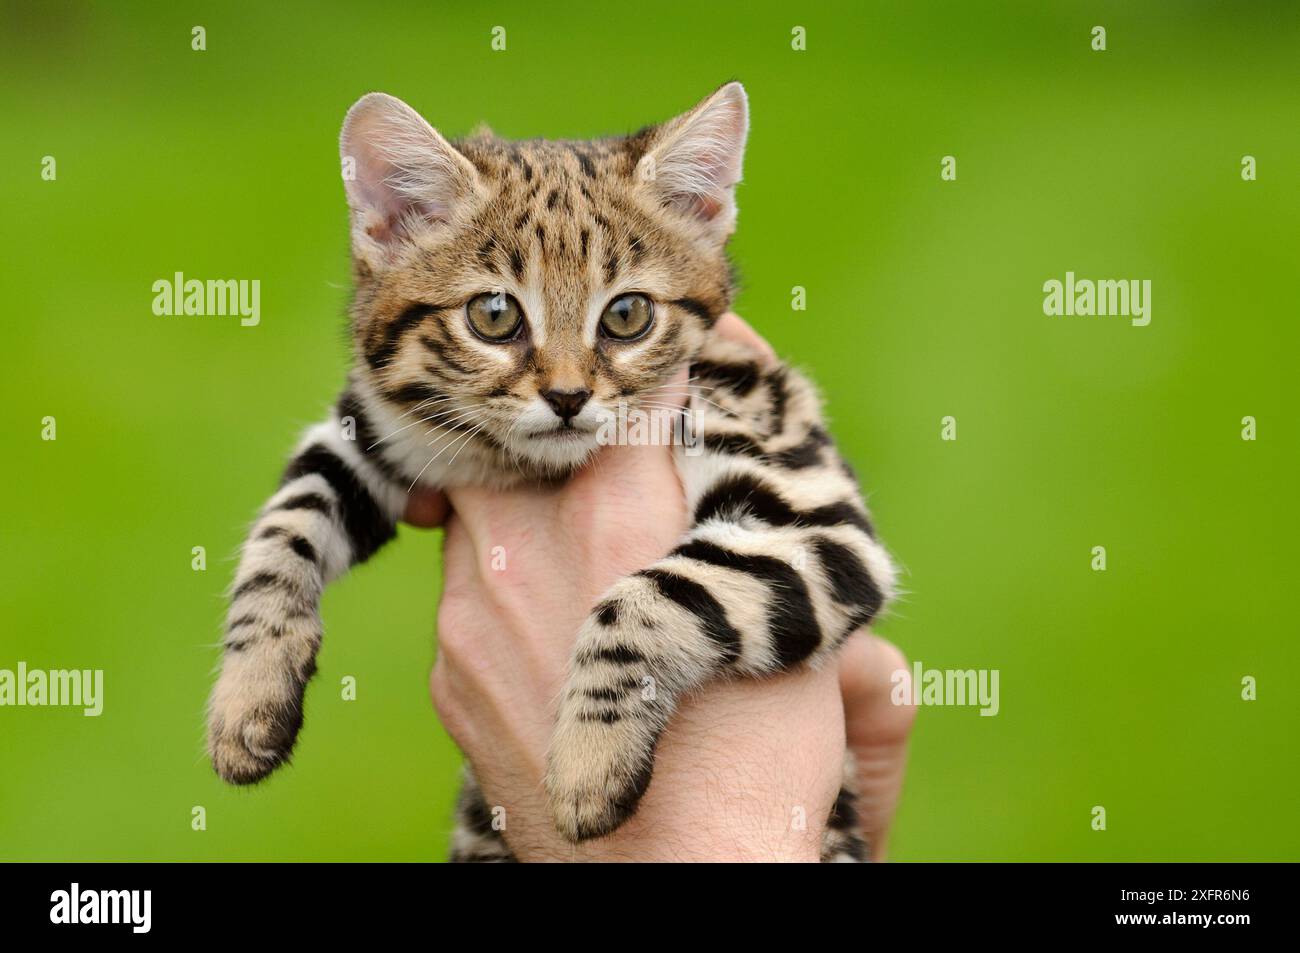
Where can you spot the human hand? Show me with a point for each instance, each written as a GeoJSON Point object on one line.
{"type": "Point", "coordinates": [739, 764]}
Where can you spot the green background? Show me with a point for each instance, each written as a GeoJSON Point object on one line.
{"type": "Point", "coordinates": [1118, 688]}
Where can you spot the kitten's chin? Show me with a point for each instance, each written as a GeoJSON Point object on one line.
{"type": "Point", "coordinates": [558, 452]}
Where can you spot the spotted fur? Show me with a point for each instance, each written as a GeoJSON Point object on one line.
{"type": "Point", "coordinates": [781, 563]}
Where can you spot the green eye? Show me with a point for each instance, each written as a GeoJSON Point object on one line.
{"type": "Point", "coordinates": [494, 317]}
{"type": "Point", "coordinates": [627, 317]}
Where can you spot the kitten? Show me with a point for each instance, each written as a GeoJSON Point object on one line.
{"type": "Point", "coordinates": [509, 295]}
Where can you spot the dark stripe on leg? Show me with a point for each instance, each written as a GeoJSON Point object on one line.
{"type": "Point", "coordinates": [838, 514]}
{"type": "Point", "coordinates": [851, 583]}
{"type": "Point", "coordinates": [734, 444]}
{"type": "Point", "coordinates": [607, 613]}
{"type": "Point", "coordinates": [805, 454]}
{"type": "Point", "coordinates": [308, 501]}
{"type": "Point", "coordinates": [697, 600]}
{"type": "Point", "coordinates": [743, 494]}
{"type": "Point", "coordinates": [844, 813]}
{"type": "Point", "coordinates": [261, 581]}
{"type": "Point", "coordinates": [791, 619]}
{"type": "Point", "coordinates": [367, 526]}
{"type": "Point", "coordinates": [297, 543]}
{"type": "Point", "coordinates": [740, 379]}
{"type": "Point", "coordinates": [616, 654]}
{"type": "Point", "coordinates": [748, 495]}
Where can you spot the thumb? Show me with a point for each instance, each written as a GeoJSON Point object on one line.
{"type": "Point", "coordinates": [734, 328]}
{"type": "Point", "coordinates": [877, 730]}
{"type": "Point", "coordinates": [426, 509]}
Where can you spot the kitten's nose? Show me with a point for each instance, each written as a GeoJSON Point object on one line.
{"type": "Point", "coordinates": [566, 403]}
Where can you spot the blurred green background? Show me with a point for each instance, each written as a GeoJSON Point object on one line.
{"type": "Point", "coordinates": [1118, 688]}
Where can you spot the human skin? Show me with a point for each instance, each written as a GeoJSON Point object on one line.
{"type": "Point", "coordinates": [747, 770]}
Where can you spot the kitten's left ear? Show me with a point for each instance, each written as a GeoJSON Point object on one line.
{"type": "Point", "coordinates": [694, 161]}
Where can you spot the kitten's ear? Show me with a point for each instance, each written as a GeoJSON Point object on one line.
{"type": "Point", "coordinates": [400, 175]}
{"type": "Point", "coordinates": [694, 161]}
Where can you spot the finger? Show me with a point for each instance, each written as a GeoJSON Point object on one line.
{"type": "Point", "coordinates": [426, 509]}
{"type": "Point", "coordinates": [459, 559]}
{"type": "Point", "coordinates": [448, 704]}
{"type": "Point", "coordinates": [734, 328]}
{"type": "Point", "coordinates": [673, 392]}
{"type": "Point", "coordinates": [876, 729]}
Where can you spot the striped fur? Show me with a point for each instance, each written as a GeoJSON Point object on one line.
{"type": "Point", "coordinates": [781, 562]}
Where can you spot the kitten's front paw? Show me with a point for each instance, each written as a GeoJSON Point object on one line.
{"type": "Point", "coordinates": [252, 724]}
{"type": "Point", "coordinates": [597, 771]}
{"type": "Point", "coordinates": [612, 713]}
{"type": "Point", "coordinates": [247, 747]}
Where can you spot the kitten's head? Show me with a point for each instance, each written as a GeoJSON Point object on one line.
{"type": "Point", "coordinates": [526, 288]}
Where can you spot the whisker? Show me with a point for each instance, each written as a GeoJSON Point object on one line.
{"type": "Point", "coordinates": [463, 441]}
{"type": "Point", "coordinates": [448, 425]}
{"type": "Point", "coordinates": [432, 458]}
{"type": "Point", "coordinates": [422, 404]}
{"type": "Point", "coordinates": [478, 429]}
{"type": "Point", "coordinates": [411, 488]}
{"type": "Point", "coordinates": [660, 391]}
{"type": "Point", "coordinates": [415, 423]}
{"type": "Point", "coordinates": [427, 402]}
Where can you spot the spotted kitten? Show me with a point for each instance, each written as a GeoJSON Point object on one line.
{"type": "Point", "coordinates": [509, 295]}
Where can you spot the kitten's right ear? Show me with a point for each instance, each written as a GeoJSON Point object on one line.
{"type": "Point", "coordinates": [400, 175]}
{"type": "Point", "coordinates": [694, 161]}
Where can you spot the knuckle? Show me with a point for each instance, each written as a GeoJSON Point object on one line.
{"type": "Point", "coordinates": [455, 624]}
{"type": "Point", "coordinates": [890, 657]}
{"type": "Point", "coordinates": [869, 666]}
{"type": "Point", "coordinates": [445, 702]}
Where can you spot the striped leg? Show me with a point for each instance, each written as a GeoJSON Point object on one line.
{"type": "Point", "coordinates": [333, 509]}
{"type": "Point", "coordinates": [475, 839]}
{"type": "Point", "coordinates": [754, 588]}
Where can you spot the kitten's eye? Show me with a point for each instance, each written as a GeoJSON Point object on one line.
{"type": "Point", "coordinates": [627, 317]}
{"type": "Point", "coordinates": [494, 317]}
